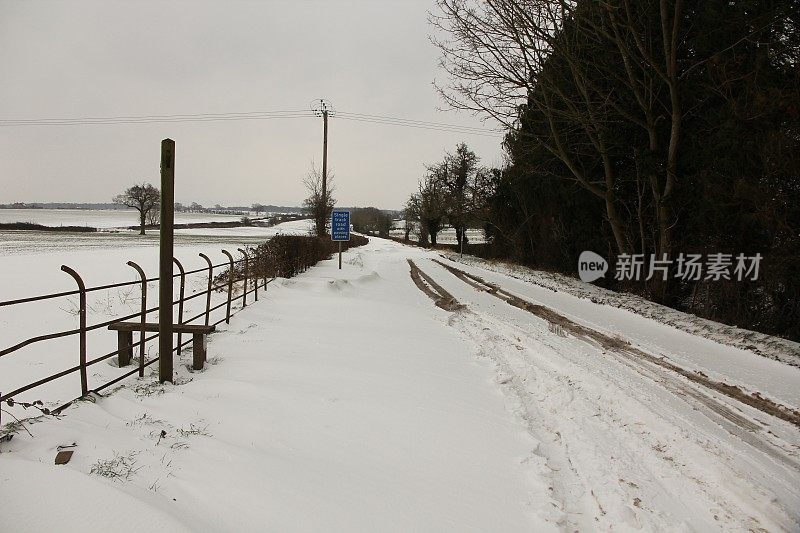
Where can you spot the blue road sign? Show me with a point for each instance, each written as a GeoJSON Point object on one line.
{"type": "Point", "coordinates": [340, 226]}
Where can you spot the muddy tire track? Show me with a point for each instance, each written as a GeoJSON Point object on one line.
{"type": "Point", "coordinates": [433, 290]}
{"type": "Point", "coordinates": [624, 348]}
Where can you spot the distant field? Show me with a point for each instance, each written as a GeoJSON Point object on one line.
{"type": "Point", "coordinates": [97, 218]}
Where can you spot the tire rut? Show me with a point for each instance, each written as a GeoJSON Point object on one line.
{"type": "Point", "coordinates": [621, 347]}
{"type": "Point", "coordinates": [441, 298]}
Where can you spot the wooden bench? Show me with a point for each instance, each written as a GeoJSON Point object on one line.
{"type": "Point", "coordinates": [125, 339]}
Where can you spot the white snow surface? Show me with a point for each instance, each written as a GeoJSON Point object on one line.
{"type": "Point", "coordinates": [100, 218]}
{"type": "Point", "coordinates": [345, 401]}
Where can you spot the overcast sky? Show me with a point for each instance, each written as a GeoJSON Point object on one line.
{"type": "Point", "coordinates": [78, 59]}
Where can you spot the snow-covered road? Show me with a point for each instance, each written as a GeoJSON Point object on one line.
{"type": "Point", "coordinates": [630, 443]}
{"type": "Point", "coordinates": [346, 401]}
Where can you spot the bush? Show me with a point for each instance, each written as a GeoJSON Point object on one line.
{"type": "Point", "coordinates": [285, 256]}
{"type": "Point", "coordinates": [39, 227]}
{"type": "Point", "coordinates": [288, 255]}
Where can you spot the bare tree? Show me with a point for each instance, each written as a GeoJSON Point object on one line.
{"type": "Point", "coordinates": [492, 51]}
{"type": "Point", "coordinates": [459, 174]}
{"type": "Point", "coordinates": [431, 207]}
{"type": "Point", "coordinates": [581, 69]}
{"type": "Point", "coordinates": [144, 198]}
{"type": "Point", "coordinates": [154, 215]}
{"type": "Point", "coordinates": [410, 216]}
{"type": "Point", "coordinates": [652, 68]}
{"type": "Point", "coordinates": [483, 187]}
{"type": "Point", "coordinates": [320, 208]}
{"type": "Point", "coordinates": [499, 58]}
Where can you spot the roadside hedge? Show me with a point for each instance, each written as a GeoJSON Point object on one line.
{"type": "Point", "coordinates": [285, 256]}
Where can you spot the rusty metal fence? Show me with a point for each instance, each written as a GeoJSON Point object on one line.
{"type": "Point", "coordinates": [249, 285]}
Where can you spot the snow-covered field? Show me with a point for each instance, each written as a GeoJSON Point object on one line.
{"type": "Point", "coordinates": [99, 218]}
{"type": "Point", "coordinates": [30, 263]}
{"type": "Point", "coordinates": [346, 401]}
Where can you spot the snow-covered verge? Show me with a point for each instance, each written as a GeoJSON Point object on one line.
{"type": "Point", "coordinates": [339, 402]}
{"type": "Point", "coordinates": [766, 345]}
{"type": "Point", "coordinates": [38, 501]}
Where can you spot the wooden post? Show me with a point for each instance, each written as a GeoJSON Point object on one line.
{"type": "Point", "coordinates": [165, 260]}
{"type": "Point", "coordinates": [198, 351]}
{"type": "Point", "coordinates": [321, 221]}
{"type": "Point", "coordinates": [124, 347]}
{"type": "Point", "coordinates": [321, 233]}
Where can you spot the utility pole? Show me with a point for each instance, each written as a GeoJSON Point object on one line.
{"type": "Point", "coordinates": [323, 109]}
{"type": "Point", "coordinates": [324, 154]}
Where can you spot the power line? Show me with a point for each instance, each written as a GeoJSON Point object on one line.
{"type": "Point", "coordinates": [248, 115]}
{"type": "Point", "coordinates": [148, 119]}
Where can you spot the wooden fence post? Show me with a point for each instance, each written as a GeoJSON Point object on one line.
{"type": "Point", "coordinates": [165, 261]}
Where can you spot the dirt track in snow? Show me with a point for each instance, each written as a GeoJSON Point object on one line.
{"type": "Point", "coordinates": [747, 418]}
{"type": "Point", "coordinates": [622, 347]}
{"type": "Point", "coordinates": [630, 355]}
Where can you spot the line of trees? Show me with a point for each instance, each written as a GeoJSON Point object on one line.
{"type": "Point", "coordinates": [371, 221]}
{"type": "Point", "coordinates": [194, 207]}
{"type": "Point", "coordinates": [654, 127]}
{"type": "Point", "coordinates": [455, 192]}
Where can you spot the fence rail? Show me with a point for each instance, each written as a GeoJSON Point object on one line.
{"type": "Point", "coordinates": [250, 285]}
